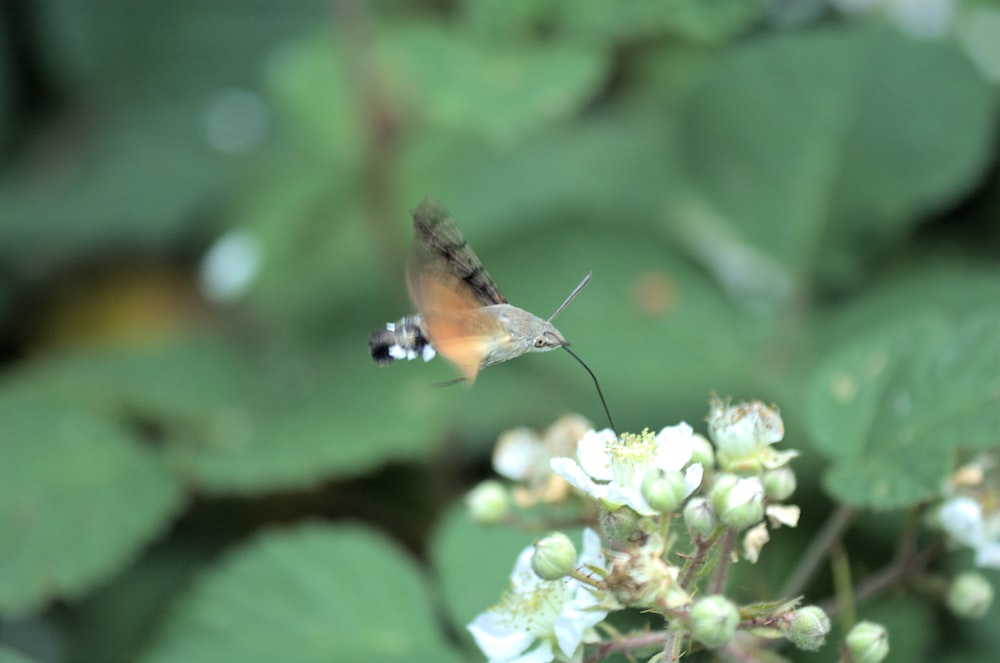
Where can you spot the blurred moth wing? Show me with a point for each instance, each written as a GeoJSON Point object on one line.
{"type": "Point", "coordinates": [455, 322]}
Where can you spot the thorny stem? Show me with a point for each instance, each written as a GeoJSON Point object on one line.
{"type": "Point", "coordinates": [695, 562]}
{"type": "Point", "coordinates": [722, 570]}
{"type": "Point", "coordinates": [672, 646]}
{"type": "Point", "coordinates": [817, 550]}
{"type": "Point", "coordinates": [588, 579]}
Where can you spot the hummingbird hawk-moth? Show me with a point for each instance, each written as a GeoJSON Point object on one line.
{"type": "Point", "coordinates": [461, 313]}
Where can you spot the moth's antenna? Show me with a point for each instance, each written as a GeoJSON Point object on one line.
{"type": "Point", "coordinates": [594, 377]}
{"type": "Point", "coordinates": [576, 291]}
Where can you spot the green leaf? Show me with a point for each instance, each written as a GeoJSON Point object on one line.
{"type": "Point", "coordinates": [473, 562]}
{"type": "Point", "coordinates": [180, 381]}
{"type": "Point", "coordinates": [12, 656]}
{"type": "Point", "coordinates": [600, 21]}
{"type": "Point", "coordinates": [316, 416]}
{"type": "Point", "coordinates": [308, 593]}
{"type": "Point", "coordinates": [818, 144]}
{"type": "Point", "coordinates": [891, 409]}
{"type": "Point", "coordinates": [78, 499]}
{"type": "Point", "coordinates": [499, 89]}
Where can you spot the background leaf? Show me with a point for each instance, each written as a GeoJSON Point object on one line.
{"type": "Point", "coordinates": [891, 410]}
{"type": "Point", "coordinates": [804, 141]}
{"type": "Point", "coordinates": [333, 593]}
{"type": "Point", "coordinates": [78, 499]}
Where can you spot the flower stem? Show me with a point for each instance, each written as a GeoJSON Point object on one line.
{"type": "Point", "coordinates": [722, 570]}
{"type": "Point", "coordinates": [817, 550]}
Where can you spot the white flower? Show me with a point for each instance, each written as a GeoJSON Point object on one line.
{"type": "Point", "coordinates": [523, 455]}
{"type": "Point", "coordinates": [554, 616]}
{"type": "Point", "coordinates": [612, 469]}
{"type": "Point", "coordinates": [963, 519]}
{"type": "Point", "coordinates": [744, 428]}
{"type": "Point", "coordinates": [743, 435]}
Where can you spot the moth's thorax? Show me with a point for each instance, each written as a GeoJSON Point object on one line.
{"type": "Point", "coordinates": [517, 332]}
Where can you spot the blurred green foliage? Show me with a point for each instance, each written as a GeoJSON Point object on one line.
{"type": "Point", "coordinates": [790, 205]}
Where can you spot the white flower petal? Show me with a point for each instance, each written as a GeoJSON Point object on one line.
{"type": "Point", "coordinates": [517, 453]}
{"type": "Point", "coordinates": [674, 447]}
{"type": "Point", "coordinates": [988, 555]}
{"type": "Point", "coordinates": [541, 654]}
{"type": "Point", "coordinates": [523, 578]}
{"type": "Point", "coordinates": [745, 491]}
{"type": "Point", "coordinates": [783, 514]}
{"type": "Point", "coordinates": [591, 555]}
{"type": "Point", "coordinates": [496, 639]}
{"type": "Point", "coordinates": [962, 518]}
{"type": "Point", "coordinates": [754, 541]}
{"type": "Point", "coordinates": [627, 496]}
{"type": "Point", "coordinates": [592, 452]}
{"type": "Point", "coordinates": [692, 478]}
{"type": "Point", "coordinates": [570, 470]}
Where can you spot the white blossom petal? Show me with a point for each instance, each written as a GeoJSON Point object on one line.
{"type": "Point", "coordinates": [570, 470]}
{"type": "Point", "coordinates": [962, 518]}
{"type": "Point", "coordinates": [674, 447]}
{"type": "Point", "coordinates": [516, 454]}
{"type": "Point", "coordinates": [692, 478]}
{"type": "Point", "coordinates": [592, 452]}
{"type": "Point", "coordinates": [988, 554]}
{"type": "Point", "coordinates": [496, 639]}
{"type": "Point", "coordinates": [783, 514]}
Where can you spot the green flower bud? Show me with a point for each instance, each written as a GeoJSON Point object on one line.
{"type": "Point", "coordinates": [739, 502]}
{"type": "Point", "coordinates": [702, 452]}
{"type": "Point", "coordinates": [779, 484]}
{"type": "Point", "coordinates": [664, 490]}
{"type": "Point", "coordinates": [970, 595]}
{"type": "Point", "coordinates": [867, 643]}
{"type": "Point", "coordinates": [700, 517]}
{"type": "Point", "coordinates": [554, 557]}
{"type": "Point", "coordinates": [714, 620]}
{"type": "Point", "coordinates": [808, 628]}
{"type": "Point", "coordinates": [617, 524]}
{"type": "Point", "coordinates": [488, 502]}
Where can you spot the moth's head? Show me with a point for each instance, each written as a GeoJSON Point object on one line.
{"type": "Point", "coordinates": [546, 337]}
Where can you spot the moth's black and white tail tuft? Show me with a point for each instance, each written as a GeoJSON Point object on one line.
{"type": "Point", "coordinates": [400, 340]}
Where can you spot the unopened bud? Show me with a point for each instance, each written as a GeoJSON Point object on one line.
{"type": "Point", "coordinates": [699, 516]}
{"type": "Point", "coordinates": [664, 490]}
{"type": "Point", "coordinates": [554, 557]}
{"type": "Point", "coordinates": [714, 620]}
{"type": "Point", "coordinates": [617, 524]}
{"type": "Point", "coordinates": [488, 502]}
{"type": "Point", "coordinates": [702, 452]}
{"type": "Point", "coordinates": [739, 502]}
{"type": "Point", "coordinates": [808, 628]}
{"type": "Point", "coordinates": [970, 595]}
{"type": "Point", "coordinates": [779, 484]}
{"type": "Point", "coordinates": [867, 642]}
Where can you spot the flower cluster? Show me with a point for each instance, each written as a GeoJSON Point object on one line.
{"type": "Point", "coordinates": [642, 486]}
{"type": "Point", "coordinates": [970, 514]}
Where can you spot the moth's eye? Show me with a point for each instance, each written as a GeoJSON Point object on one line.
{"type": "Point", "coordinates": [540, 342]}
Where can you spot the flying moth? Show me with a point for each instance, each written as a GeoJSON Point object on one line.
{"type": "Point", "coordinates": [461, 313]}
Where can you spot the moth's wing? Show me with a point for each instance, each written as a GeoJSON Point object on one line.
{"type": "Point", "coordinates": [440, 249]}
{"type": "Point", "coordinates": [454, 320]}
